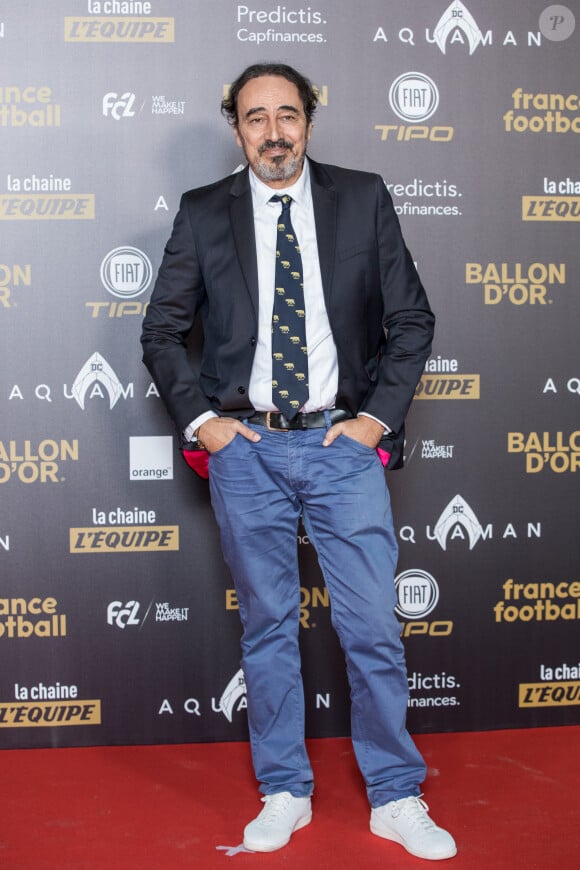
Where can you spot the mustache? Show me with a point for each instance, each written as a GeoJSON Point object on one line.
{"type": "Point", "coordinates": [270, 144]}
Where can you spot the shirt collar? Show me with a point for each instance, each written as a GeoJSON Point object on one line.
{"type": "Point", "coordinates": [299, 191]}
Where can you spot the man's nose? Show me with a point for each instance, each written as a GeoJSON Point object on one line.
{"type": "Point", "coordinates": [273, 131]}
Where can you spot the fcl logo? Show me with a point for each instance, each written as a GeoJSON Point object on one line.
{"type": "Point", "coordinates": [119, 106]}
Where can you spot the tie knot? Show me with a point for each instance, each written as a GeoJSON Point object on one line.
{"type": "Point", "coordinates": [285, 200]}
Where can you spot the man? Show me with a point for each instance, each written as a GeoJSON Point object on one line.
{"type": "Point", "coordinates": [316, 330]}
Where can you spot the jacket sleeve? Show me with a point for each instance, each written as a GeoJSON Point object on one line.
{"type": "Point", "coordinates": [178, 295]}
{"type": "Point", "coordinates": [407, 320]}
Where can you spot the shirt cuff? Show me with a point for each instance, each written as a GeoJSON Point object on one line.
{"type": "Point", "coordinates": [189, 431]}
{"type": "Point", "coordinates": [387, 429]}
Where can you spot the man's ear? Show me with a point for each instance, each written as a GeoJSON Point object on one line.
{"type": "Point", "coordinates": [237, 136]}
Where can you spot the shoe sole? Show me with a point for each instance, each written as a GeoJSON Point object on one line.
{"type": "Point", "coordinates": [387, 834]}
{"type": "Point", "coordinates": [253, 847]}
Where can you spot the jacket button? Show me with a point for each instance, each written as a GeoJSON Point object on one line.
{"type": "Point", "coordinates": [241, 390]}
{"type": "Point", "coordinates": [252, 342]}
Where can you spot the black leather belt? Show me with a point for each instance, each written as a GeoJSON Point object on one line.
{"type": "Point", "coordinates": [315, 420]}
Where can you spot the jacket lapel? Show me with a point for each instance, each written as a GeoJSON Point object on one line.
{"type": "Point", "coordinates": [324, 202]}
{"type": "Point", "coordinates": [242, 223]}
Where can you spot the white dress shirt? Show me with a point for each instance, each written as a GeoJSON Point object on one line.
{"type": "Point", "coordinates": [322, 359]}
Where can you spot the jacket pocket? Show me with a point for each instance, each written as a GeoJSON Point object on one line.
{"type": "Point", "coordinates": [353, 251]}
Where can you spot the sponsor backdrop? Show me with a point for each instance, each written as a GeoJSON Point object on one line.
{"type": "Point", "coordinates": [118, 620]}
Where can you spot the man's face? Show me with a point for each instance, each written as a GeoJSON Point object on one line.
{"type": "Point", "coordinates": [272, 129]}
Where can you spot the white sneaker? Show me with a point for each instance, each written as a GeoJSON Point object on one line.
{"type": "Point", "coordinates": [272, 828]}
{"type": "Point", "coordinates": [406, 822]}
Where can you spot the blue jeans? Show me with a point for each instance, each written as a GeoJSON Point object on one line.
{"type": "Point", "coordinates": [259, 491]}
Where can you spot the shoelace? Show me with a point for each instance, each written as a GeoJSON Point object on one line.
{"type": "Point", "coordinates": [415, 810]}
{"type": "Point", "coordinates": [275, 806]}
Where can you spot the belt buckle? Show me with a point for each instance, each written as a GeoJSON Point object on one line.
{"type": "Point", "coordinates": [274, 428]}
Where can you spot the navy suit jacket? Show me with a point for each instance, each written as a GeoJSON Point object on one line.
{"type": "Point", "coordinates": [378, 310]}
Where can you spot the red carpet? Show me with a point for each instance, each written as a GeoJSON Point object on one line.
{"type": "Point", "coordinates": [508, 797]}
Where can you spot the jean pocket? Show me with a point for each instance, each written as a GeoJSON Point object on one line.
{"type": "Point", "coordinates": [357, 445]}
{"type": "Point", "coordinates": [227, 447]}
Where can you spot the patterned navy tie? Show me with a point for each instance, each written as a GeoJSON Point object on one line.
{"type": "Point", "coordinates": [289, 351]}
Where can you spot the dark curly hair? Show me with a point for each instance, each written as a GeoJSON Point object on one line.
{"type": "Point", "coordinates": [308, 95]}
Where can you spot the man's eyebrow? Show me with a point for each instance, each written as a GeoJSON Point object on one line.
{"type": "Point", "coordinates": [253, 111]}
{"type": "Point", "coordinates": [257, 109]}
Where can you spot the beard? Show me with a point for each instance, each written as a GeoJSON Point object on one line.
{"type": "Point", "coordinates": [280, 167]}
